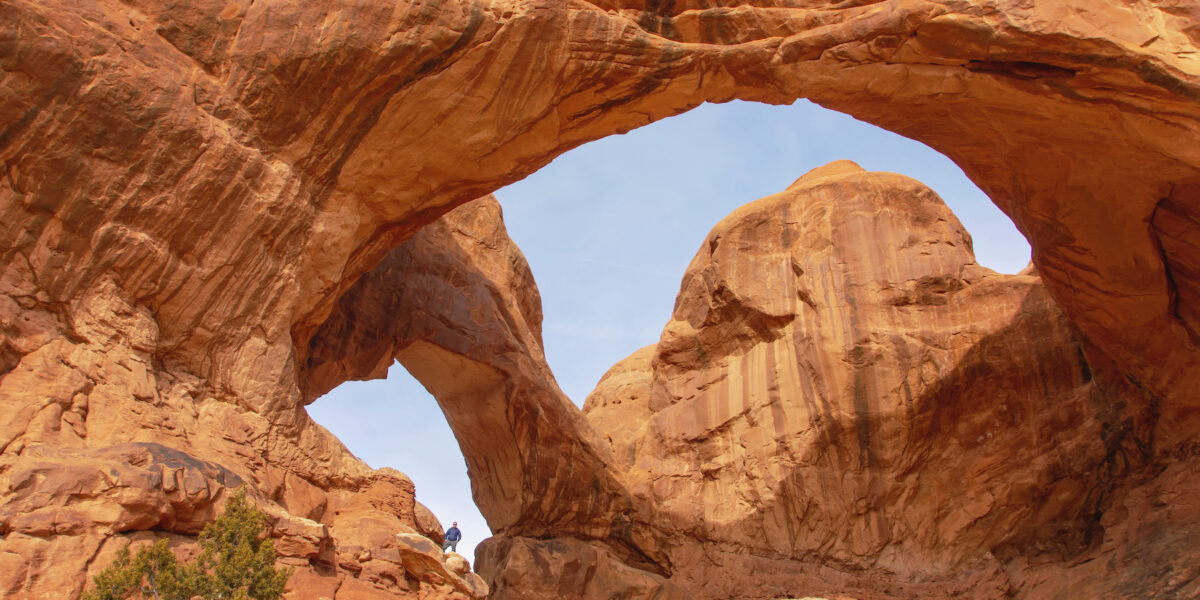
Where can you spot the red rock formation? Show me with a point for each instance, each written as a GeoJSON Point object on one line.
{"type": "Point", "coordinates": [844, 402]}
{"type": "Point", "coordinates": [104, 447]}
{"type": "Point", "coordinates": [188, 189]}
{"type": "Point", "coordinates": [458, 306]}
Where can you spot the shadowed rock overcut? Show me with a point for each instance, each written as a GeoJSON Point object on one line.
{"type": "Point", "coordinates": [190, 189]}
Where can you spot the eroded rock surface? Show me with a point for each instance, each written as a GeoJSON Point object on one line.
{"type": "Point", "coordinates": [189, 189]}
{"type": "Point", "coordinates": [140, 133]}
{"type": "Point", "coordinates": [458, 307]}
{"type": "Point", "coordinates": [842, 387]}
{"type": "Point", "coordinates": [105, 448]}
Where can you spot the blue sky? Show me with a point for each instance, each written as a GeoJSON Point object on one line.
{"type": "Point", "coordinates": [608, 229]}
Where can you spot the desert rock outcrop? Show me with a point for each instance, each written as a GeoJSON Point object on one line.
{"type": "Point", "coordinates": [842, 386]}
{"type": "Point", "coordinates": [190, 189]}
{"type": "Point", "coordinates": [345, 129]}
{"type": "Point", "coordinates": [106, 448]}
{"type": "Point", "coordinates": [458, 307]}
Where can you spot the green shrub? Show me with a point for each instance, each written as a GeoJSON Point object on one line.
{"type": "Point", "coordinates": [236, 562]}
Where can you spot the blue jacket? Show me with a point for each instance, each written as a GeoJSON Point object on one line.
{"type": "Point", "coordinates": [453, 534]}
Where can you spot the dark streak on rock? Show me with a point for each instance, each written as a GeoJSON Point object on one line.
{"type": "Point", "coordinates": [1020, 69]}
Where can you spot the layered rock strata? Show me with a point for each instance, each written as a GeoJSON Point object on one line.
{"type": "Point", "coordinates": [458, 307]}
{"type": "Point", "coordinates": [845, 403]}
{"type": "Point", "coordinates": [139, 134]}
{"type": "Point", "coordinates": [189, 189]}
{"type": "Point", "coordinates": [105, 447]}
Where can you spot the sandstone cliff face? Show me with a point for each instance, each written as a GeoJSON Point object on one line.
{"type": "Point", "coordinates": [190, 188]}
{"type": "Point", "coordinates": [841, 387]}
{"type": "Point", "coordinates": [458, 307]}
{"type": "Point", "coordinates": [106, 447]}
{"type": "Point", "coordinates": [139, 133]}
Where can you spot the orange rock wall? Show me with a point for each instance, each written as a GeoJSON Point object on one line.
{"type": "Point", "coordinates": [189, 189]}
{"type": "Point", "coordinates": [107, 447]}
{"type": "Point", "coordinates": [458, 307]}
{"type": "Point", "coordinates": [842, 386]}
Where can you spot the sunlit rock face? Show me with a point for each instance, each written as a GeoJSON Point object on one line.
{"type": "Point", "coordinates": [844, 402]}
{"type": "Point", "coordinates": [107, 449]}
{"type": "Point", "coordinates": [457, 305]}
{"type": "Point", "coordinates": [189, 189]}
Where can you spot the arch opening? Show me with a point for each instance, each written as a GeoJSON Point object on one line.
{"type": "Point", "coordinates": [1075, 120]}
{"type": "Point", "coordinates": [394, 422]}
{"type": "Point", "coordinates": [694, 168]}
{"type": "Point", "coordinates": [610, 227]}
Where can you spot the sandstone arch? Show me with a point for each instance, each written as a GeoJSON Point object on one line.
{"type": "Point", "coordinates": [137, 135]}
{"type": "Point", "coordinates": [843, 402]}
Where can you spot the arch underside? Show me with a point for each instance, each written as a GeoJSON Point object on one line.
{"type": "Point", "coordinates": [200, 194]}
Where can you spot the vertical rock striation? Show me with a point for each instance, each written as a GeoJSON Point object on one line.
{"type": "Point", "coordinates": [844, 402]}
{"type": "Point", "coordinates": [457, 306]}
{"type": "Point", "coordinates": [188, 190]}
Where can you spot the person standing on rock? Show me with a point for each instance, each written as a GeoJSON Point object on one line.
{"type": "Point", "coordinates": [453, 535]}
